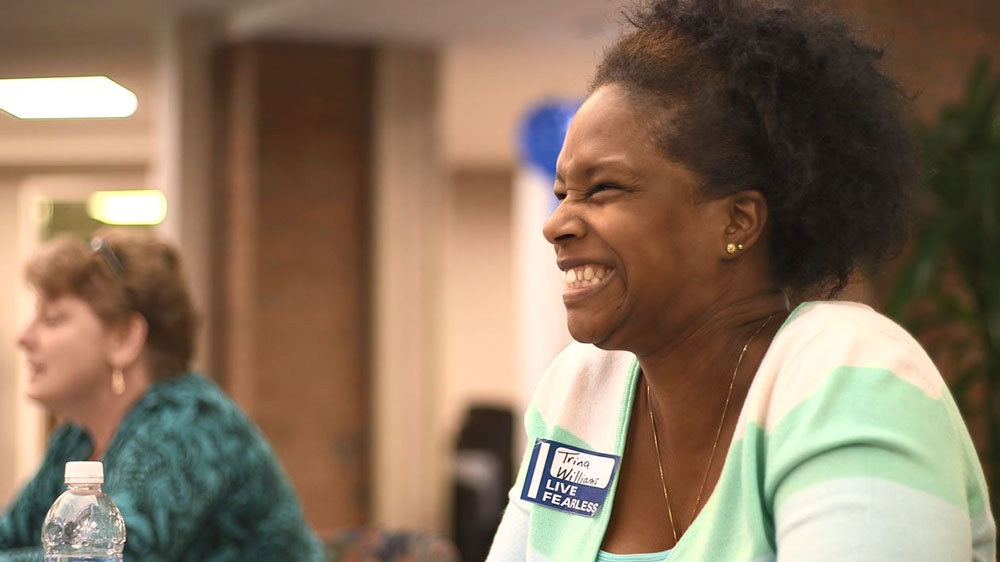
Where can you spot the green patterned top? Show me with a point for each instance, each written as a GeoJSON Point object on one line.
{"type": "Point", "coordinates": [194, 479]}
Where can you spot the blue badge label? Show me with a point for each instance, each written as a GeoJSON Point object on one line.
{"type": "Point", "coordinates": [568, 478]}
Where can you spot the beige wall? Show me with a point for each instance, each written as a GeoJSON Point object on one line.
{"type": "Point", "coordinates": [183, 161]}
{"type": "Point", "coordinates": [486, 88]}
{"type": "Point", "coordinates": [407, 210]}
{"type": "Point", "coordinates": [8, 328]}
{"type": "Point", "coordinates": [477, 283]}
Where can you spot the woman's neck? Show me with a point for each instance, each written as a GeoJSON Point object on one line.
{"type": "Point", "coordinates": [689, 378]}
{"type": "Point", "coordinates": [102, 414]}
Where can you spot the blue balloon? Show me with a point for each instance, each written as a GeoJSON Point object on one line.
{"type": "Point", "coordinates": [543, 131]}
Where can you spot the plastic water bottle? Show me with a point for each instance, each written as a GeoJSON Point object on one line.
{"type": "Point", "coordinates": [83, 525]}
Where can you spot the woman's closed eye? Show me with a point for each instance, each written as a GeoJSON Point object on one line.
{"type": "Point", "coordinates": [52, 318]}
{"type": "Point", "coordinates": [601, 191]}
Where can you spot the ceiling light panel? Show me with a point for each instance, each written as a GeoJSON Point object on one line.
{"type": "Point", "coordinates": [74, 97]}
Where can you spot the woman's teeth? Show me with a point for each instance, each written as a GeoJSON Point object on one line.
{"type": "Point", "coordinates": [585, 276]}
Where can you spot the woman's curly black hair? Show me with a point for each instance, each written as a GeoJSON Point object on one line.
{"type": "Point", "coordinates": [786, 101]}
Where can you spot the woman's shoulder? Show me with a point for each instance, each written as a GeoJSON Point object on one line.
{"type": "Point", "coordinates": [847, 316]}
{"type": "Point", "coordinates": [585, 369]}
{"type": "Point", "coordinates": [186, 391]}
{"type": "Point", "coordinates": [846, 393]}
{"type": "Point", "coordinates": [190, 404]}
{"type": "Point", "coordinates": [582, 395]}
{"type": "Point", "coordinates": [828, 334]}
{"type": "Point", "coordinates": [840, 348]}
{"type": "Point", "coordinates": [190, 414]}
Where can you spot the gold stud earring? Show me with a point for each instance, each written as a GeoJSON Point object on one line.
{"type": "Point", "coordinates": [739, 247]}
{"type": "Point", "coordinates": [118, 382]}
{"type": "Point", "coordinates": [730, 248]}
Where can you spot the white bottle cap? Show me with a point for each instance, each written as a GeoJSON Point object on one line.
{"type": "Point", "coordinates": [85, 472]}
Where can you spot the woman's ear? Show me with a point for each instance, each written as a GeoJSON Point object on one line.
{"type": "Point", "coordinates": [128, 341]}
{"type": "Point", "coordinates": [746, 221]}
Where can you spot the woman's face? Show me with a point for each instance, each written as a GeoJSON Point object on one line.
{"type": "Point", "coordinates": [67, 350]}
{"type": "Point", "coordinates": [639, 248]}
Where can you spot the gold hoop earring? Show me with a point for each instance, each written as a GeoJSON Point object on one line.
{"type": "Point", "coordinates": [118, 382]}
{"type": "Point", "coordinates": [730, 248]}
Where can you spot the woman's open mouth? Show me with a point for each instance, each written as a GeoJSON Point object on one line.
{"type": "Point", "coordinates": [584, 280]}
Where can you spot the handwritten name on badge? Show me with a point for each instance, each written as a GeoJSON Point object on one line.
{"type": "Point", "coordinates": [568, 478]}
{"type": "Point", "coordinates": [582, 468]}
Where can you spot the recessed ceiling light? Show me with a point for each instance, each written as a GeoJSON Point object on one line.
{"type": "Point", "coordinates": [66, 98]}
{"type": "Point", "coordinates": [146, 207]}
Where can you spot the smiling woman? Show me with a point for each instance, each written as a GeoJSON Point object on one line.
{"type": "Point", "coordinates": [732, 153]}
{"type": "Point", "coordinates": [617, 189]}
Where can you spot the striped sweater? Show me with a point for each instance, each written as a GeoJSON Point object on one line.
{"type": "Point", "coordinates": [849, 447]}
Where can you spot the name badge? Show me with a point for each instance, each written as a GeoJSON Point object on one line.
{"type": "Point", "coordinates": [568, 478]}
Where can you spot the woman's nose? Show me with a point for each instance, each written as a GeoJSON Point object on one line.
{"type": "Point", "coordinates": [562, 225]}
{"type": "Point", "coordinates": [25, 337]}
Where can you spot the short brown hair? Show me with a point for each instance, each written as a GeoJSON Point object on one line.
{"type": "Point", "coordinates": [147, 279]}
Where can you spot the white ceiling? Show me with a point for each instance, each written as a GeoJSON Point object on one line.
{"type": "Point", "coordinates": [75, 17]}
{"type": "Point", "coordinates": [434, 21]}
{"type": "Point", "coordinates": [502, 54]}
{"type": "Point", "coordinates": [431, 20]}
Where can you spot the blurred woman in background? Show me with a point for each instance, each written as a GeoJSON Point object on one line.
{"type": "Point", "coordinates": [108, 350]}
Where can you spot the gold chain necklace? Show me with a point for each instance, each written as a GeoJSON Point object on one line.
{"type": "Point", "coordinates": [715, 444]}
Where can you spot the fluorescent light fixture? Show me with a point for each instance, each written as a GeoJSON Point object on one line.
{"type": "Point", "coordinates": [139, 207]}
{"type": "Point", "coordinates": [66, 98]}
